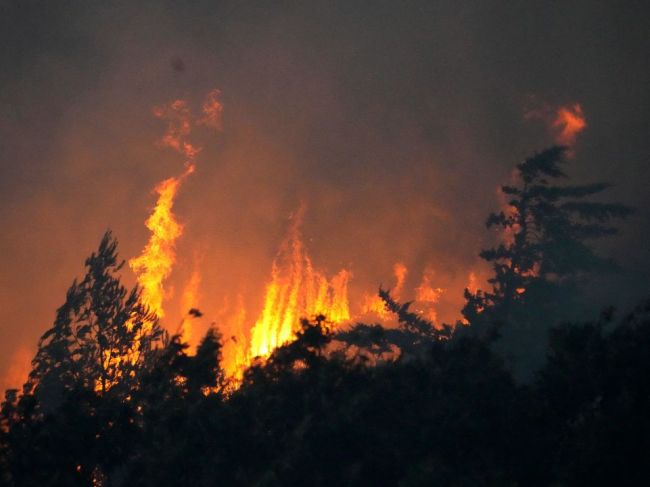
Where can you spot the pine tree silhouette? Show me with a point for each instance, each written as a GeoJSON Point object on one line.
{"type": "Point", "coordinates": [545, 251]}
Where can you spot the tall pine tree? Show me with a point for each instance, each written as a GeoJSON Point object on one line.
{"type": "Point", "coordinates": [545, 249]}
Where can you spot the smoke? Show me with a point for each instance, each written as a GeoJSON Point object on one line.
{"type": "Point", "coordinates": [393, 123]}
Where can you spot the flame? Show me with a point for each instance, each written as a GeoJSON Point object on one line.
{"type": "Point", "coordinates": [212, 111]}
{"type": "Point", "coordinates": [18, 370]}
{"type": "Point", "coordinates": [564, 122]}
{"type": "Point", "coordinates": [400, 272]}
{"type": "Point", "coordinates": [425, 291]}
{"type": "Point", "coordinates": [179, 126]}
{"type": "Point", "coordinates": [427, 296]}
{"type": "Point", "coordinates": [338, 306]}
{"type": "Point", "coordinates": [472, 283]}
{"type": "Point", "coordinates": [235, 356]}
{"type": "Point", "coordinates": [373, 304]}
{"type": "Point", "coordinates": [569, 122]}
{"type": "Point", "coordinates": [155, 262]}
{"type": "Point", "coordinates": [296, 290]}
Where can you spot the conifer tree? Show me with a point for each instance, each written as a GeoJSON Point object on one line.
{"type": "Point", "coordinates": [546, 248]}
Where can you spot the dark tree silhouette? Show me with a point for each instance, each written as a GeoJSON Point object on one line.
{"type": "Point", "coordinates": [409, 405]}
{"type": "Point", "coordinates": [101, 335]}
{"type": "Point", "coordinates": [178, 400]}
{"type": "Point", "coordinates": [410, 339]}
{"type": "Point", "coordinates": [545, 250]}
{"type": "Point", "coordinates": [593, 400]}
{"type": "Point", "coordinates": [74, 418]}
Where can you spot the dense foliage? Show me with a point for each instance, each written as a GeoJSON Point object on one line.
{"type": "Point", "coordinates": [411, 405]}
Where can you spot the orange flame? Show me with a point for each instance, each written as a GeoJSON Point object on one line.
{"type": "Point", "coordinates": [155, 262]}
{"type": "Point", "coordinates": [400, 272]}
{"type": "Point", "coordinates": [212, 110]}
{"type": "Point", "coordinates": [472, 283]}
{"type": "Point", "coordinates": [373, 304]}
{"type": "Point", "coordinates": [426, 292]}
{"type": "Point", "coordinates": [296, 290]}
{"type": "Point", "coordinates": [427, 296]}
{"type": "Point", "coordinates": [564, 122]}
{"type": "Point", "coordinates": [235, 358]}
{"type": "Point", "coordinates": [179, 125]}
{"type": "Point", "coordinates": [18, 370]}
{"type": "Point", "coordinates": [569, 121]}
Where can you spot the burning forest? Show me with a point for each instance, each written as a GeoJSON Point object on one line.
{"type": "Point", "coordinates": [338, 245]}
{"type": "Point", "coordinates": [296, 288]}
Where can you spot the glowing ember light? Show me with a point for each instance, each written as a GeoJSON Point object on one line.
{"type": "Point", "coordinates": [296, 290]}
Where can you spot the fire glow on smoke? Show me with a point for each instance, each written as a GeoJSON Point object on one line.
{"type": "Point", "coordinates": [296, 287]}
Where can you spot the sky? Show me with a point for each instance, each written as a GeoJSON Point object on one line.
{"type": "Point", "coordinates": [394, 123]}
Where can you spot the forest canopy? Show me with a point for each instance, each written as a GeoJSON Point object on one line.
{"type": "Point", "coordinates": [519, 393]}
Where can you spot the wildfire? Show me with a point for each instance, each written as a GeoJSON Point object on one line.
{"type": "Point", "coordinates": [235, 355]}
{"type": "Point", "coordinates": [155, 262]}
{"type": "Point", "coordinates": [179, 126]}
{"type": "Point", "coordinates": [157, 259]}
{"type": "Point", "coordinates": [427, 296]}
{"type": "Point", "coordinates": [472, 283]}
{"type": "Point", "coordinates": [296, 290]}
{"type": "Point", "coordinates": [373, 304]}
